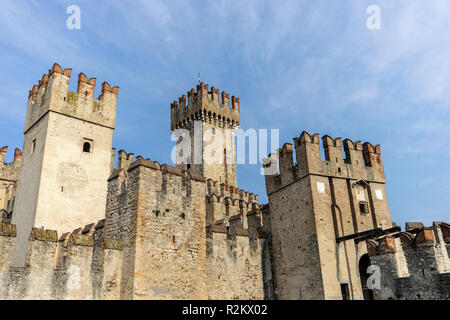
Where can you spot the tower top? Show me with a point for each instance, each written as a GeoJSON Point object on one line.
{"type": "Point", "coordinates": [52, 93]}
{"type": "Point", "coordinates": [362, 161]}
{"type": "Point", "coordinates": [204, 105]}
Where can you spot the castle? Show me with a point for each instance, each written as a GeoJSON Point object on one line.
{"type": "Point", "coordinates": [75, 227]}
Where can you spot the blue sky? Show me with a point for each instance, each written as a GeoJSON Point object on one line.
{"type": "Point", "coordinates": [296, 65]}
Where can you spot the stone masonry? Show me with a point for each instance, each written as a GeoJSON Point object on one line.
{"type": "Point", "coordinates": [74, 226]}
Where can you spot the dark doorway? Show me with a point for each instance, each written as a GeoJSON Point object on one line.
{"type": "Point", "coordinates": [364, 263]}
{"type": "Point", "coordinates": [345, 292]}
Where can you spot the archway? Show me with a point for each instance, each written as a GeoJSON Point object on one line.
{"type": "Point", "coordinates": [364, 263]}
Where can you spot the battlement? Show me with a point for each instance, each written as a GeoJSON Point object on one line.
{"type": "Point", "coordinates": [10, 171]}
{"type": "Point", "coordinates": [126, 163]}
{"type": "Point", "coordinates": [424, 247]}
{"type": "Point", "coordinates": [361, 162]}
{"type": "Point", "coordinates": [147, 163]}
{"type": "Point", "coordinates": [204, 105]}
{"type": "Point", "coordinates": [227, 204]}
{"type": "Point", "coordinates": [8, 230]}
{"type": "Point", "coordinates": [413, 238]}
{"type": "Point", "coordinates": [414, 263]}
{"type": "Point", "coordinates": [125, 159]}
{"type": "Point", "coordinates": [52, 93]}
{"type": "Point", "coordinates": [173, 187]}
{"type": "Point", "coordinates": [228, 191]}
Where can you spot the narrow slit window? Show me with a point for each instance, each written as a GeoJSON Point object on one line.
{"type": "Point", "coordinates": [33, 146]}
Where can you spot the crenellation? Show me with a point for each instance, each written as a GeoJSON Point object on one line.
{"type": "Point", "coordinates": [413, 263]}
{"type": "Point", "coordinates": [333, 150]}
{"type": "Point", "coordinates": [313, 202]}
{"type": "Point", "coordinates": [53, 94]}
{"type": "Point", "coordinates": [146, 230]}
{"type": "Point", "coordinates": [236, 221]}
{"type": "Point", "coordinates": [44, 235]}
{"type": "Point", "coordinates": [204, 105]}
{"type": "Point", "coordinates": [235, 102]}
{"type": "Point", "coordinates": [89, 229]}
{"type": "Point", "coordinates": [86, 86]}
{"type": "Point", "coordinates": [353, 152]}
{"type": "Point", "coordinates": [307, 149]}
{"type": "Point", "coordinates": [9, 173]}
{"type": "Point", "coordinates": [125, 159]}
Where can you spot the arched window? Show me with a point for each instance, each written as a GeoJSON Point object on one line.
{"type": "Point", "coordinates": [86, 147]}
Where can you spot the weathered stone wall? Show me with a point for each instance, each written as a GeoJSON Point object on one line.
{"type": "Point", "coordinates": [34, 280]}
{"type": "Point", "coordinates": [160, 213]}
{"type": "Point", "coordinates": [235, 264]}
{"type": "Point", "coordinates": [28, 185]}
{"type": "Point", "coordinates": [295, 253]}
{"type": "Point", "coordinates": [312, 204]}
{"type": "Point", "coordinates": [9, 173]}
{"type": "Point", "coordinates": [67, 268]}
{"type": "Point", "coordinates": [7, 239]}
{"type": "Point", "coordinates": [425, 274]}
{"type": "Point", "coordinates": [163, 229]}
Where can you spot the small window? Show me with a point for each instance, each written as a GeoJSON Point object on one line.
{"type": "Point", "coordinates": [364, 207]}
{"type": "Point", "coordinates": [87, 147]}
{"type": "Point", "coordinates": [33, 146]}
{"type": "Point", "coordinates": [188, 166]}
{"type": "Point", "coordinates": [213, 131]}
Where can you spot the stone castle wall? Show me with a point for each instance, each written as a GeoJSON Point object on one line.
{"type": "Point", "coordinates": [315, 202]}
{"type": "Point", "coordinates": [9, 173]}
{"type": "Point", "coordinates": [188, 232]}
{"type": "Point", "coordinates": [414, 264]}
{"type": "Point", "coordinates": [171, 248]}
{"type": "Point", "coordinates": [64, 268]}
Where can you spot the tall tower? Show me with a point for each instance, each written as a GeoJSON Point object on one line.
{"type": "Point", "coordinates": [211, 124]}
{"type": "Point", "coordinates": [313, 204]}
{"type": "Point", "coordinates": [66, 156]}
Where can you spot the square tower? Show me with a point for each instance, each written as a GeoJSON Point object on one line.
{"type": "Point", "coordinates": [313, 204]}
{"type": "Point", "coordinates": [67, 156]}
{"type": "Point", "coordinates": [210, 123]}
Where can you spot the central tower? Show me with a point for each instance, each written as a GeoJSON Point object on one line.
{"type": "Point", "coordinates": [210, 122]}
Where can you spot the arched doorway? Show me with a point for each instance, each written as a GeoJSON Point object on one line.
{"type": "Point", "coordinates": [364, 263]}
